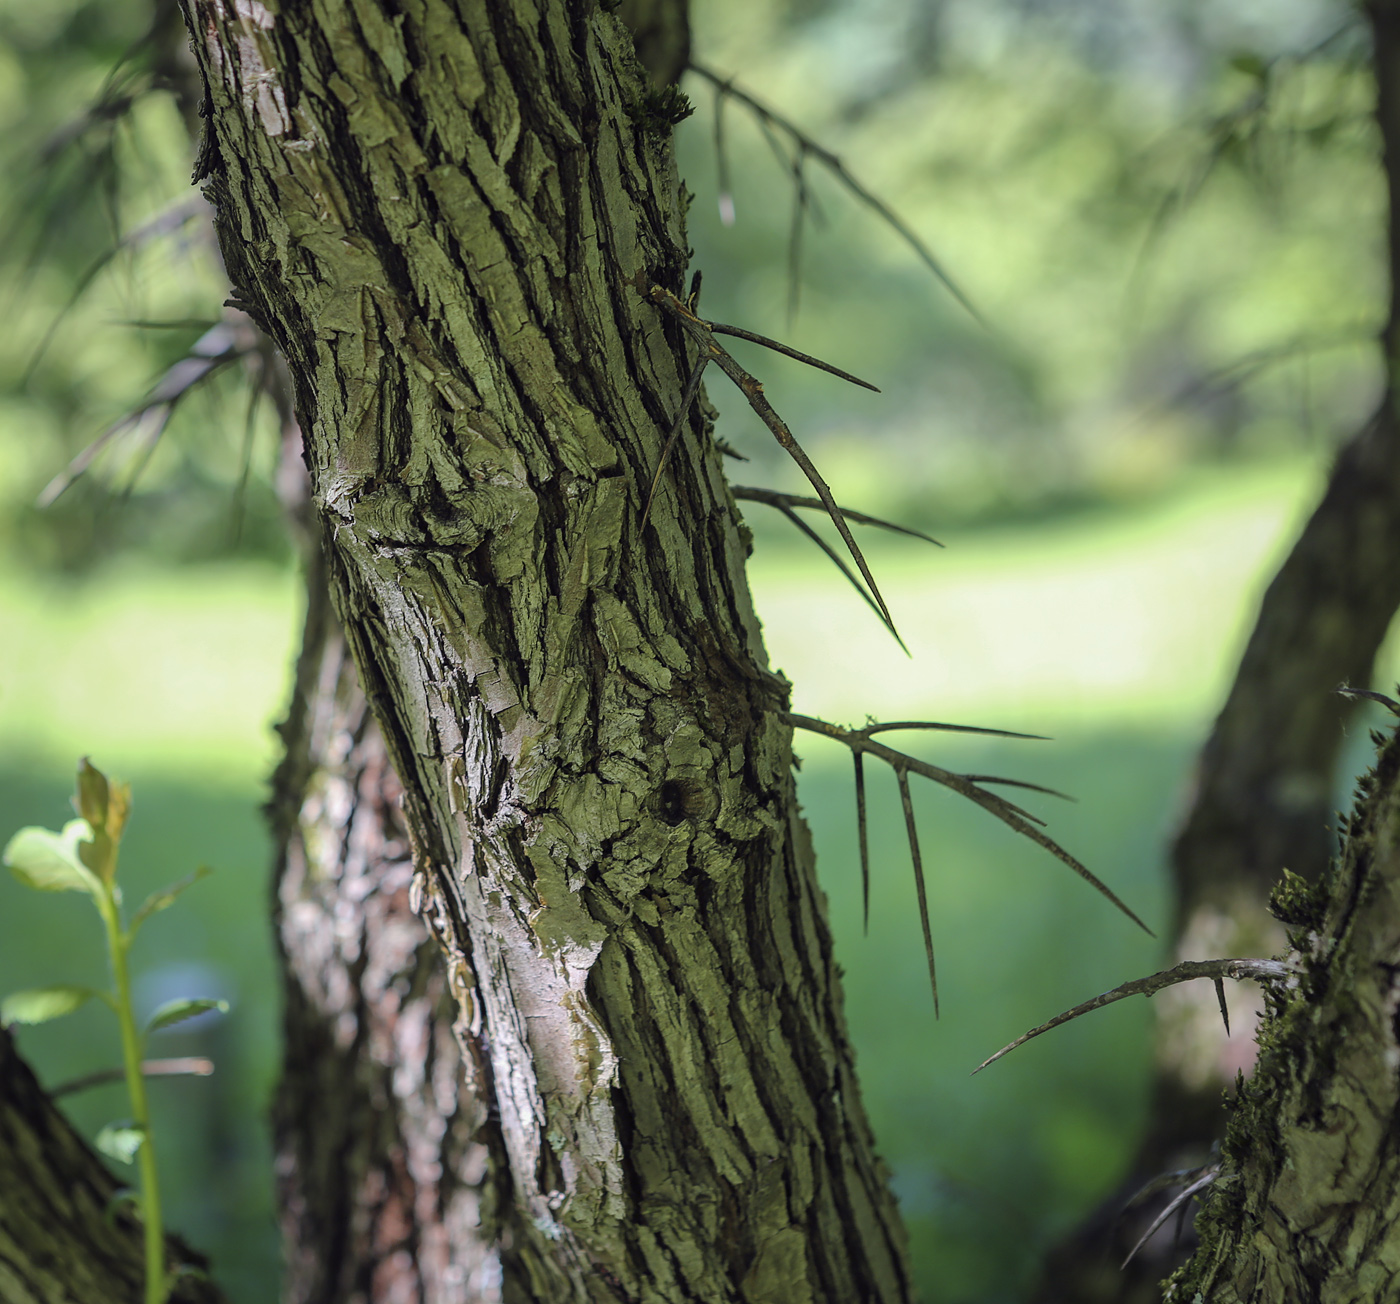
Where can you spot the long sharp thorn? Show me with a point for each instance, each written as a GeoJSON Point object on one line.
{"type": "Point", "coordinates": [703, 333]}
{"type": "Point", "coordinates": [753, 391]}
{"type": "Point", "coordinates": [773, 498]}
{"type": "Point", "coordinates": [1177, 1202]}
{"type": "Point", "coordinates": [913, 832]}
{"type": "Point", "coordinates": [845, 570]}
{"type": "Point", "coordinates": [1018, 823]}
{"type": "Point", "coordinates": [788, 352]}
{"type": "Point", "coordinates": [1255, 970]}
{"type": "Point", "coordinates": [1224, 1009]}
{"type": "Point", "coordinates": [1023, 822]}
{"type": "Point", "coordinates": [951, 728]}
{"type": "Point", "coordinates": [692, 387]}
{"type": "Point", "coordinates": [1018, 783]}
{"type": "Point", "coordinates": [861, 833]}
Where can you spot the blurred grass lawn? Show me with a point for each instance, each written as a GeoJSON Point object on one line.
{"type": "Point", "coordinates": [1117, 631]}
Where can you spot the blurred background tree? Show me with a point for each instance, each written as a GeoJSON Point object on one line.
{"type": "Point", "coordinates": [1172, 217]}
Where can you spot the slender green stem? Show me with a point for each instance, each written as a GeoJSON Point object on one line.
{"type": "Point", "coordinates": [118, 940]}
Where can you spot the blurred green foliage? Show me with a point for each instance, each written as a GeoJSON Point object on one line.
{"type": "Point", "coordinates": [1177, 242]}
{"type": "Point", "coordinates": [1169, 213]}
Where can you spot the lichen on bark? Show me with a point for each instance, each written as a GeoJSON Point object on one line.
{"type": "Point", "coordinates": [438, 211]}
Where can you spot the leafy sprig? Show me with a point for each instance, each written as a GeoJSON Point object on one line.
{"type": "Point", "coordinates": [82, 857]}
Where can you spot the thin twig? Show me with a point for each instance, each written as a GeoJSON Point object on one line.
{"type": "Point", "coordinates": [183, 1066]}
{"type": "Point", "coordinates": [1224, 1009]}
{"type": "Point", "coordinates": [725, 87]}
{"type": "Point", "coordinates": [1390, 704]}
{"type": "Point", "coordinates": [799, 211]}
{"type": "Point", "coordinates": [211, 353]}
{"type": "Point", "coordinates": [1254, 970]}
{"type": "Point", "coordinates": [773, 498]}
{"type": "Point", "coordinates": [726, 194]}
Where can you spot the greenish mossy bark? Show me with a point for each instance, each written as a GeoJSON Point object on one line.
{"type": "Point", "coordinates": [64, 1236]}
{"type": "Point", "coordinates": [438, 213]}
{"type": "Point", "coordinates": [1307, 1204]}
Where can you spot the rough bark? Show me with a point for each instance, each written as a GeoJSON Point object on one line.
{"type": "Point", "coordinates": [380, 1152]}
{"type": "Point", "coordinates": [1261, 800]}
{"type": "Point", "coordinates": [64, 1237]}
{"type": "Point", "coordinates": [1307, 1202]}
{"type": "Point", "coordinates": [438, 214]}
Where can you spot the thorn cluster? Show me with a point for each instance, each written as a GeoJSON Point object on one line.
{"type": "Point", "coordinates": [861, 742]}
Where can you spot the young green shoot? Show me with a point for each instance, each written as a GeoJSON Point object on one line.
{"type": "Point", "coordinates": [82, 857]}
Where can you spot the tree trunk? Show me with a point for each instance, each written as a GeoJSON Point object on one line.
{"type": "Point", "coordinates": [1307, 1201]}
{"type": "Point", "coordinates": [439, 216]}
{"type": "Point", "coordinates": [1262, 797]}
{"type": "Point", "coordinates": [381, 1154]}
{"type": "Point", "coordinates": [65, 1237]}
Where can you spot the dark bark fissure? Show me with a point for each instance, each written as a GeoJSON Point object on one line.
{"type": "Point", "coordinates": [65, 1236]}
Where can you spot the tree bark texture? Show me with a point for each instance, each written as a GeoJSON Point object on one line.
{"type": "Point", "coordinates": [381, 1149]}
{"type": "Point", "coordinates": [1261, 798]}
{"type": "Point", "coordinates": [64, 1236]}
{"type": "Point", "coordinates": [440, 214]}
{"type": "Point", "coordinates": [1307, 1202]}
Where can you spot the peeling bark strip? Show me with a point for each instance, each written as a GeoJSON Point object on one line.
{"type": "Point", "coordinates": [438, 214]}
{"type": "Point", "coordinates": [1308, 1200]}
{"type": "Point", "coordinates": [380, 1151]}
{"type": "Point", "coordinates": [64, 1237]}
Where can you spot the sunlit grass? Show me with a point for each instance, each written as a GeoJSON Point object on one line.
{"type": "Point", "coordinates": [1132, 616]}
{"type": "Point", "coordinates": [1117, 617]}
{"type": "Point", "coordinates": [181, 671]}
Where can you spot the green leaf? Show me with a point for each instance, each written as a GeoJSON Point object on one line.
{"type": "Point", "coordinates": [51, 862]}
{"type": "Point", "coordinates": [120, 1141]}
{"type": "Point", "coordinates": [90, 800]}
{"type": "Point", "coordinates": [40, 1004]}
{"type": "Point", "coordinates": [179, 1011]}
{"type": "Point", "coordinates": [164, 898]}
